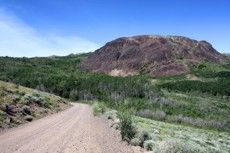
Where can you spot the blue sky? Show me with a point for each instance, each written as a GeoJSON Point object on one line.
{"type": "Point", "coordinates": [60, 27]}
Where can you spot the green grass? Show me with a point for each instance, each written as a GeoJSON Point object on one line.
{"type": "Point", "coordinates": [206, 140]}
{"type": "Point", "coordinates": [206, 106]}
{"type": "Point", "coordinates": [210, 70]}
{"type": "Point", "coordinates": [192, 109]}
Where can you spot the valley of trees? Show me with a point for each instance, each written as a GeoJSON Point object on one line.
{"type": "Point", "coordinates": [61, 76]}
{"type": "Point", "coordinates": [136, 94]}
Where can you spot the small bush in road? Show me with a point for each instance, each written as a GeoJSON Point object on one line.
{"type": "Point", "coordinates": [127, 128]}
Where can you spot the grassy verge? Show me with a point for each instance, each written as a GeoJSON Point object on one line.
{"type": "Point", "coordinates": [162, 137]}
{"type": "Point", "coordinates": [204, 140]}
{"type": "Point", "coordinates": [19, 104]}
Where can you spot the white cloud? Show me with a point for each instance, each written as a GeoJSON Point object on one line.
{"type": "Point", "coordinates": [18, 39]}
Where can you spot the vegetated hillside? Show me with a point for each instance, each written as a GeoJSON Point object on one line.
{"type": "Point", "coordinates": [62, 76]}
{"type": "Point", "coordinates": [178, 138]}
{"type": "Point", "coordinates": [227, 55]}
{"type": "Point", "coordinates": [157, 98]}
{"type": "Point", "coordinates": [158, 136]}
{"type": "Point", "coordinates": [20, 104]}
{"type": "Point", "coordinates": [154, 55]}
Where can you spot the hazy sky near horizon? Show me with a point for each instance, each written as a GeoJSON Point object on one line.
{"type": "Point", "coordinates": [60, 27]}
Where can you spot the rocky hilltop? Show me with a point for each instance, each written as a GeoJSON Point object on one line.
{"type": "Point", "coordinates": [154, 55]}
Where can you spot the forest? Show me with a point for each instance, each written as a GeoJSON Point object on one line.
{"type": "Point", "coordinates": [138, 94]}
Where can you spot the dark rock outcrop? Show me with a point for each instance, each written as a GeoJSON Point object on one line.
{"type": "Point", "coordinates": [154, 55]}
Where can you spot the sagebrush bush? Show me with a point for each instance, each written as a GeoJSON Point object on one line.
{"type": "Point", "coordinates": [159, 115]}
{"type": "Point", "coordinates": [98, 108]}
{"type": "Point", "coordinates": [166, 102]}
{"type": "Point", "coordinates": [156, 115]}
{"type": "Point", "coordinates": [146, 113]}
{"type": "Point", "coordinates": [143, 136]}
{"type": "Point", "coordinates": [128, 130]}
{"type": "Point", "coordinates": [135, 142]}
{"type": "Point", "coordinates": [175, 147]}
{"type": "Point", "coordinates": [16, 98]}
{"type": "Point", "coordinates": [34, 99]}
{"type": "Point", "coordinates": [149, 145]}
{"type": "Point", "coordinates": [26, 110]}
{"type": "Point", "coordinates": [111, 115]}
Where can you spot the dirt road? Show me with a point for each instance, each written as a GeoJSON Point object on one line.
{"type": "Point", "coordinates": [70, 131]}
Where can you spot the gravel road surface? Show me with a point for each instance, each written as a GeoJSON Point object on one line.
{"type": "Point", "coordinates": [70, 131]}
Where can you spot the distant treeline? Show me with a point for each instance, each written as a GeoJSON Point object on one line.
{"type": "Point", "coordinates": [218, 87]}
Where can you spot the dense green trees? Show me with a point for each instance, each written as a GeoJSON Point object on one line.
{"type": "Point", "coordinates": [61, 75]}
{"type": "Point", "coordinates": [137, 94]}
{"type": "Point", "coordinates": [218, 87]}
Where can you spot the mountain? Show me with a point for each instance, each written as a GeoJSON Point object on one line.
{"type": "Point", "coordinates": [154, 55]}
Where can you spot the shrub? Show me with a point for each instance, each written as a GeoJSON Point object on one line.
{"type": "Point", "coordinates": [175, 147]}
{"type": "Point", "coordinates": [2, 93]}
{"type": "Point", "coordinates": [98, 108]}
{"type": "Point", "coordinates": [16, 98]}
{"type": "Point", "coordinates": [47, 104]}
{"type": "Point", "coordinates": [73, 95]}
{"type": "Point", "coordinates": [135, 142]}
{"type": "Point", "coordinates": [181, 119]}
{"type": "Point", "coordinates": [111, 115]}
{"type": "Point", "coordinates": [2, 116]}
{"type": "Point", "coordinates": [149, 144]}
{"type": "Point", "coordinates": [127, 128]}
{"type": "Point", "coordinates": [34, 99]}
{"type": "Point", "coordinates": [22, 93]}
{"type": "Point", "coordinates": [143, 136]}
{"type": "Point", "coordinates": [159, 115]}
{"type": "Point", "coordinates": [201, 66]}
{"type": "Point", "coordinates": [198, 122]}
{"type": "Point", "coordinates": [26, 110]}
{"type": "Point", "coordinates": [146, 113]}
{"type": "Point", "coordinates": [167, 102]}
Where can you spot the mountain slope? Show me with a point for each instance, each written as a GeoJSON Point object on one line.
{"type": "Point", "coordinates": [154, 55]}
